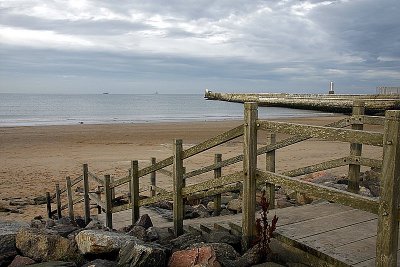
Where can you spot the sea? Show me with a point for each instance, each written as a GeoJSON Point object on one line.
{"type": "Point", "coordinates": [67, 109]}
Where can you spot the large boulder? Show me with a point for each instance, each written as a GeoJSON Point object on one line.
{"type": "Point", "coordinates": [100, 263]}
{"type": "Point", "coordinates": [8, 232]}
{"type": "Point", "coordinates": [41, 246]}
{"type": "Point", "coordinates": [142, 254]}
{"type": "Point", "coordinates": [217, 236]}
{"type": "Point", "coordinates": [202, 256]}
{"type": "Point", "coordinates": [99, 242]}
{"type": "Point", "coordinates": [225, 253]}
{"type": "Point", "coordinates": [54, 264]}
{"type": "Point", "coordinates": [186, 240]}
{"type": "Point", "coordinates": [235, 205]}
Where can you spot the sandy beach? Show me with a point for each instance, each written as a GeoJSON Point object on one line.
{"type": "Point", "coordinates": [34, 159]}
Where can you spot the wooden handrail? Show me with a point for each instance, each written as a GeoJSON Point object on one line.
{"type": "Point", "coordinates": [327, 133]}
{"type": "Point", "coordinates": [95, 178]}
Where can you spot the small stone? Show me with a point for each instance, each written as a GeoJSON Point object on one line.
{"type": "Point", "coordinates": [225, 212]}
{"type": "Point", "coordinates": [21, 261]}
{"type": "Point", "coordinates": [152, 234]}
{"type": "Point", "coordinates": [202, 211]}
{"type": "Point", "coordinates": [50, 223]}
{"type": "Point", "coordinates": [235, 205]}
{"type": "Point", "coordinates": [138, 232]}
{"type": "Point", "coordinates": [144, 221]}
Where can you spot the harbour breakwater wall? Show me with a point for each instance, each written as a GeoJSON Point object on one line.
{"type": "Point", "coordinates": [338, 103]}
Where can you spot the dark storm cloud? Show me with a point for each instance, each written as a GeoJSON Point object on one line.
{"type": "Point", "coordinates": [186, 46]}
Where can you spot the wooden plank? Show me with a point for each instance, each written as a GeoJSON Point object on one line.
{"type": "Point", "coordinates": [355, 149]}
{"type": "Point", "coordinates": [159, 190]}
{"type": "Point", "coordinates": [321, 191]}
{"type": "Point", "coordinates": [86, 203]}
{"type": "Point", "coordinates": [326, 133]}
{"type": "Point", "coordinates": [326, 223]}
{"type": "Point", "coordinates": [318, 167]}
{"type": "Point", "coordinates": [108, 206]}
{"type": "Point", "coordinates": [178, 205]}
{"type": "Point", "coordinates": [212, 183]}
{"type": "Point", "coordinates": [328, 240]}
{"type": "Point", "coordinates": [388, 223]}
{"type": "Point", "coordinates": [95, 178]}
{"type": "Point", "coordinates": [212, 142]}
{"type": "Point", "coordinates": [69, 197]}
{"type": "Point", "coordinates": [155, 199]}
{"type": "Point", "coordinates": [74, 182]}
{"type": "Point", "coordinates": [371, 262]}
{"type": "Point", "coordinates": [249, 171]}
{"type": "Point", "coordinates": [373, 163]}
{"type": "Point", "coordinates": [153, 176]}
{"type": "Point", "coordinates": [135, 190]}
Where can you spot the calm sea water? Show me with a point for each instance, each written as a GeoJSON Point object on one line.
{"type": "Point", "coordinates": [40, 109]}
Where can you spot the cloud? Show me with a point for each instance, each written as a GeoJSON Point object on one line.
{"type": "Point", "coordinates": [281, 45]}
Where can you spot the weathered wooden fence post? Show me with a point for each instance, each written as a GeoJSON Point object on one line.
{"type": "Point", "coordinates": [108, 202]}
{"type": "Point", "coordinates": [388, 223]}
{"type": "Point", "coordinates": [70, 201]}
{"type": "Point", "coordinates": [86, 199]}
{"type": "Point", "coordinates": [178, 208]}
{"type": "Point", "coordinates": [58, 199]}
{"type": "Point", "coordinates": [270, 166]}
{"type": "Point", "coordinates": [249, 169]}
{"type": "Point", "coordinates": [48, 202]}
{"type": "Point", "coordinates": [217, 174]}
{"type": "Point", "coordinates": [355, 149]}
{"type": "Point", "coordinates": [153, 179]}
{"type": "Point", "coordinates": [99, 196]}
{"type": "Point", "coordinates": [135, 190]}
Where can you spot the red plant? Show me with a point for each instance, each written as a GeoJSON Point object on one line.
{"type": "Point", "coordinates": [264, 229]}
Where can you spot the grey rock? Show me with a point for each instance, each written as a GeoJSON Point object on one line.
{"type": "Point", "coordinates": [222, 237]}
{"type": "Point", "coordinates": [138, 232]}
{"type": "Point", "coordinates": [8, 232]}
{"type": "Point", "coordinates": [186, 240]}
{"type": "Point", "coordinates": [225, 212]}
{"type": "Point", "coordinates": [235, 205]}
{"type": "Point", "coordinates": [202, 211]}
{"type": "Point", "coordinates": [95, 225]}
{"type": "Point", "coordinates": [152, 234]}
{"type": "Point", "coordinates": [21, 261]}
{"type": "Point", "coordinates": [144, 221]}
{"type": "Point", "coordinates": [64, 230]}
{"type": "Point", "coordinates": [146, 254]}
{"type": "Point", "coordinates": [38, 224]}
{"type": "Point", "coordinates": [40, 200]}
{"type": "Point", "coordinates": [41, 246]}
{"type": "Point", "coordinates": [50, 223]}
{"type": "Point", "coordinates": [99, 242]}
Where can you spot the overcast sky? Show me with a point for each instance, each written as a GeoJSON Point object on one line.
{"type": "Point", "coordinates": [128, 46]}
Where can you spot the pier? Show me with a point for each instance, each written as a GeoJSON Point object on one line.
{"type": "Point", "coordinates": [338, 103]}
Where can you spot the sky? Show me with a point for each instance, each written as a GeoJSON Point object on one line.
{"type": "Point", "coordinates": [173, 46]}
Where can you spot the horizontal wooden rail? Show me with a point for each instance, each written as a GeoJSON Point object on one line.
{"type": "Point", "coordinates": [212, 142]}
{"type": "Point", "coordinates": [318, 167]}
{"type": "Point", "coordinates": [144, 202]}
{"type": "Point", "coordinates": [212, 183]}
{"type": "Point", "coordinates": [75, 201]}
{"type": "Point", "coordinates": [320, 191]}
{"type": "Point", "coordinates": [73, 182]}
{"type": "Point", "coordinates": [165, 172]}
{"type": "Point", "coordinates": [373, 120]}
{"type": "Point", "coordinates": [327, 133]}
{"type": "Point", "coordinates": [159, 189]}
{"type": "Point", "coordinates": [284, 143]}
{"type": "Point", "coordinates": [97, 200]}
{"type": "Point", "coordinates": [95, 178]}
{"type": "Point", "coordinates": [215, 191]}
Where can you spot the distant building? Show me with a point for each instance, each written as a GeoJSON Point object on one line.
{"type": "Point", "coordinates": [388, 90]}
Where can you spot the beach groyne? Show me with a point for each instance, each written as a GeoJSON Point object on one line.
{"type": "Point", "coordinates": [338, 103]}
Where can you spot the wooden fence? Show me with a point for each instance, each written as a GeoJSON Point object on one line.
{"type": "Point", "coordinates": [251, 176]}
